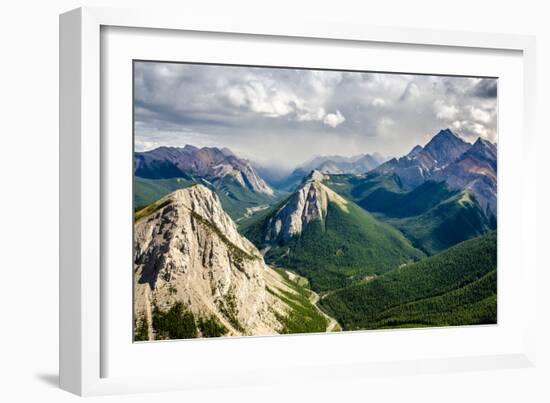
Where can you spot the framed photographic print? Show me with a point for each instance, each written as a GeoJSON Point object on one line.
{"type": "Point", "coordinates": [247, 203]}
{"type": "Point", "coordinates": [256, 215]}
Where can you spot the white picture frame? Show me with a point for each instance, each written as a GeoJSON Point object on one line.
{"type": "Point", "coordinates": [83, 190]}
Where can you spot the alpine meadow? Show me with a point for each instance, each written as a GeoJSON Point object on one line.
{"type": "Point", "coordinates": [280, 201]}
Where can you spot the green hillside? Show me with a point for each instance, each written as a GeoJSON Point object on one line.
{"type": "Point", "coordinates": [147, 191]}
{"type": "Point", "coordinates": [358, 187]}
{"type": "Point", "coordinates": [453, 220]}
{"type": "Point", "coordinates": [455, 287]}
{"type": "Point", "coordinates": [304, 316]}
{"type": "Point", "coordinates": [344, 247]}
{"type": "Point", "coordinates": [432, 216]}
{"type": "Point", "coordinates": [407, 204]}
{"type": "Point", "coordinates": [238, 202]}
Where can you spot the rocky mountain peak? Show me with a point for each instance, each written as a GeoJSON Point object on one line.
{"type": "Point", "coordinates": [188, 250]}
{"type": "Point", "coordinates": [307, 204]}
{"type": "Point", "coordinates": [369, 160]}
{"type": "Point", "coordinates": [476, 171]}
{"type": "Point", "coordinates": [316, 175]}
{"type": "Point", "coordinates": [379, 158]}
{"type": "Point", "coordinates": [483, 152]}
{"type": "Point", "coordinates": [189, 147]}
{"type": "Point", "coordinates": [227, 152]}
{"type": "Point", "coordinates": [445, 147]}
{"type": "Point", "coordinates": [416, 149]}
{"type": "Point", "coordinates": [486, 145]}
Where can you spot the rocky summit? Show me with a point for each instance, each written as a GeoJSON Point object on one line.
{"type": "Point", "coordinates": [417, 166]}
{"type": "Point", "coordinates": [307, 203]}
{"type": "Point", "coordinates": [446, 157]}
{"type": "Point", "coordinates": [187, 250]}
{"type": "Point", "coordinates": [445, 147]}
{"type": "Point", "coordinates": [476, 171]}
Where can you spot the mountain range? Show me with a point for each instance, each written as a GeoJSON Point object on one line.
{"type": "Point", "coordinates": [196, 276]}
{"type": "Point", "coordinates": [446, 157]}
{"type": "Point", "coordinates": [352, 243]}
{"type": "Point", "coordinates": [333, 164]}
{"type": "Point", "coordinates": [336, 164]}
{"type": "Point", "coordinates": [209, 163]}
{"type": "Point", "coordinates": [433, 215]}
{"type": "Point", "coordinates": [416, 167]}
{"type": "Point", "coordinates": [165, 169]}
{"type": "Point", "coordinates": [327, 238]}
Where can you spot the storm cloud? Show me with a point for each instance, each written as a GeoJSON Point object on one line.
{"type": "Point", "coordinates": [285, 116]}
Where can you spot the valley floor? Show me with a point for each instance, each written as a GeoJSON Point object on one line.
{"type": "Point", "coordinates": [332, 323]}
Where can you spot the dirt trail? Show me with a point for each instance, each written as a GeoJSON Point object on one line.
{"type": "Point", "coordinates": [333, 325]}
{"type": "Point", "coordinates": [314, 298]}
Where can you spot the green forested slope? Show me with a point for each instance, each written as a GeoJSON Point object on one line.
{"type": "Point", "coordinates": [359, 187]}
{"type": "Point", "coordinates": [407, 204]}
{"type": "Point", "coordinates": [237, 201]}
{"type": "Point", "coordinates": [453, 220]}
{"type": "Point", "coordinates": [455, 287]}
{"type": "Point", "coordinates": [432, 216]}
{"type": "Point", "coordinates": [344, 247]}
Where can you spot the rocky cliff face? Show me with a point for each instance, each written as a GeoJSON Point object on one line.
{"type": "Point", "coordinates": [445, 147]}
{"type": "Point", "coordinates": [417, 166]}
{"type": "Point", "coordinates": [448, 158]}
{"type": "Point", "coordinates": [476, 171]}
{"type": "Point", "coordinates": [209, 163]}
{"type": "Point", "coordinates": [243, 173]}
{"type": "Point", "coordinates": [188, 250]}
{"type": "Point", "coordinates": [308, 203]}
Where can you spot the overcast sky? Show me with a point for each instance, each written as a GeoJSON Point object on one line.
{"type": "Point", "coordinates": [286, 116]}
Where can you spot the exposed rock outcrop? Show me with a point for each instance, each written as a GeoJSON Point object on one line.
{"type": "Point", "coordinates": [417, 166]}
{"type": "Point", "coordinates": [476, 171]}
{"type": "Point", "coordinates": [446, 157]}
{"type": "Point", "coordinates": [188, 250]}
{"type": "Point", "coordinates": [307, 203]}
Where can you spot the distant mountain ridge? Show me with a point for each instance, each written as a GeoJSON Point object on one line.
{"type": "Point", "coordinates": [408, 241]}
{"type": "Point", "coordinates": [308, 203]}
{"type": "Point", "coordinates": [332, 164]}
{"type": "Point", "coordinates": [336, 164]}
{"type": "Point", "coordinates": [209, 163]}
{"type": "Point", "coordinates": [415, 167]}
{"type": "Point", "coordinates": [433, 215]}
{"type": "Point", "coordinates": [446, 157]}
{"type": "Point", "coordinates": [475, 171]}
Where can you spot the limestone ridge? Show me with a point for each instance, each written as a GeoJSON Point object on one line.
{"type": "Point", "coordinates": [187, 249]}
{"type": "Point", "coordinates": [308, 203]}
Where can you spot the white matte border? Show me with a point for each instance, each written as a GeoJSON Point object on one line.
{"type": "Point", "coordinates": [121, 46]}
{"type": "Point", "coordinates": [86, 294]}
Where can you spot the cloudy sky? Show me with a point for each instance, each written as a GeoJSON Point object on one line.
{"type": "Point", "coordinates": [286, 116]}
